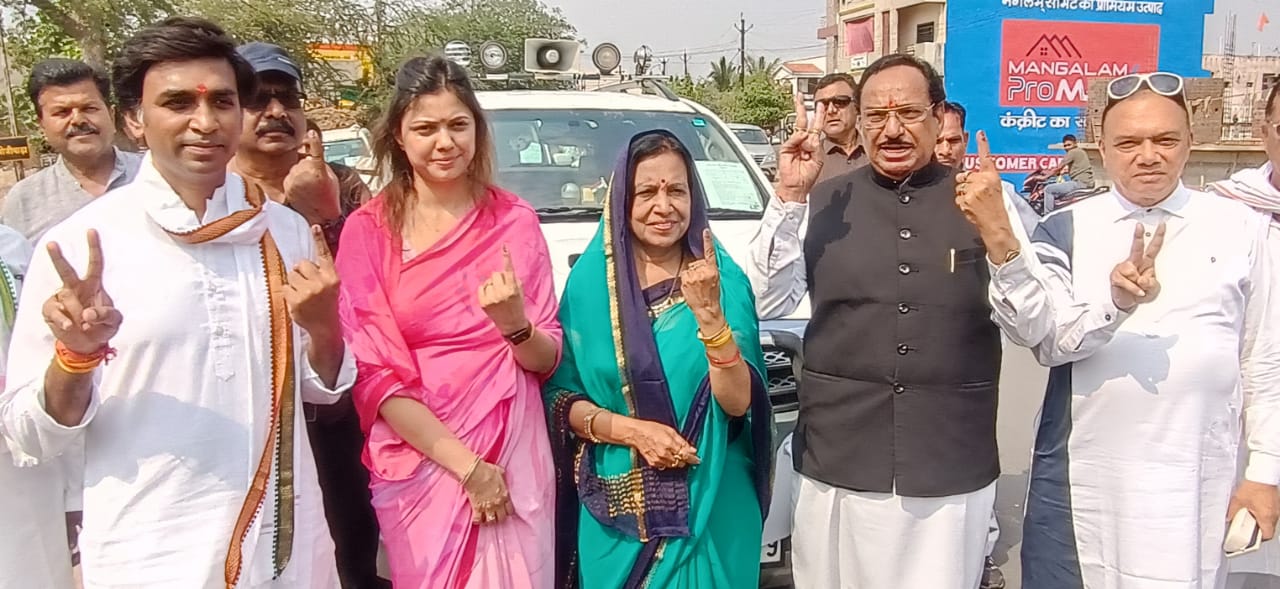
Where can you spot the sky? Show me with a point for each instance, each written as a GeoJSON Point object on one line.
{"type": "Point", "coordinates": [787, 29]}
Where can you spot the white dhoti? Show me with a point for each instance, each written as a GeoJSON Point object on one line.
{"type": "Point", "coordinates": [854, 540]}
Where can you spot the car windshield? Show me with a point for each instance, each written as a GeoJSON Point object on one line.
{"type": "Point", "coordinates": [561, 160]}
{"type": "Point", "coordinates": [345, 150]}
{"type": "Point", "coordinates": [752, 136]}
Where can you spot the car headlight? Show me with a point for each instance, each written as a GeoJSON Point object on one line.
{"type": "Point", "coordinates": [772, 157]}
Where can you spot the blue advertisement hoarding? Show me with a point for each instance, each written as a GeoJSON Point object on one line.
{"type": "Point", "coordinates": [1022, 67]}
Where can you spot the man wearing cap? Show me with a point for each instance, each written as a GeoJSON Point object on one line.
{"type": "Point", "coordinates": [280, 156]}
{"type": "Point", "coordinates": [1152, 306]}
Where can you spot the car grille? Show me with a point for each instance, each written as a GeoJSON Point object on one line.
{"type": "Point", "coordinates": [759, 158]}
{"type": "Point", "coordinates": [782, 379]}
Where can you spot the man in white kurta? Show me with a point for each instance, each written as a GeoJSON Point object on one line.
{"type": "Point", "coordinates": [33, 548]}
{"type": "Point", "coordinates": [1260, 188]}
{"type": "Point", "coordinates": [1156, 367]}
{"type": "Point", "coordinates": [178, 421]}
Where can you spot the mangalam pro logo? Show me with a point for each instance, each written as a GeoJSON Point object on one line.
{"type": "Point", "coordinates": [1060, 46]}
{"type": "Point", "coordinates": [1049, 63]}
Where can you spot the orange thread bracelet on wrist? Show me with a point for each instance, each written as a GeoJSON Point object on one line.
{"type": "Point", "coordinates": [73, 362]}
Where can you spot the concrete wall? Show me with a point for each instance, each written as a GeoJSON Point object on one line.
{"type": "Point", "coordinates": [910, 18]}
{"type": "Point", "coordinates": [1208, 163]}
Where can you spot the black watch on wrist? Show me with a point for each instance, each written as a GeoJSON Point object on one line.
{"type": "Point", "coordinates": [519, 337]}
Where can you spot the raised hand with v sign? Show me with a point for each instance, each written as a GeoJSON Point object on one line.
{"type": "Point", "coordinates": [80, 314]}
{"type": "Point", "coordinates": [800, 159]}
{"type": "Point", "coordinates": [700, 284]}
{"type": "Point", "coordinates": [1133, 281]}
{"type": "Point", "coordinates": [311, 291]}
{"type": "Point", "coordinates": [502, 298]}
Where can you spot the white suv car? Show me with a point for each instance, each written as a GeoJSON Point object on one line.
{"type": "Point", "coordinates": [557, 149]}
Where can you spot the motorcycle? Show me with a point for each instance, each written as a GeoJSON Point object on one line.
{"type": "Point", "coordinates": [1034, 188]}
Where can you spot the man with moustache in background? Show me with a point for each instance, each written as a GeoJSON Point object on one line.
{"type": "Point", "coordinates": [283, 158]}
{"type": "Point", "coordinates": [70, 99]}
{"type": "Point", "coordinates": [836, 96]}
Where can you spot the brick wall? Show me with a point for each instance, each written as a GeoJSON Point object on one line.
{"type": "Point", "coordinates": [1204, 96]}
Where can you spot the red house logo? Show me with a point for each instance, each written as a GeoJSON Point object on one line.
{"type": "Point", "coordinates": [1049, 63]}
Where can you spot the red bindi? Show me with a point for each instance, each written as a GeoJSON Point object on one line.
{"type": "Point", "coordinates": [201, 89]}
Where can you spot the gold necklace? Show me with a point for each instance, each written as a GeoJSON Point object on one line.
{"type": "Point", "coordinates": [667, 302]}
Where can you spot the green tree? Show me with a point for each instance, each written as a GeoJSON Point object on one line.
{"type": "Point", "coordinates": [723, 74]}
{"type": "Point", "coordinates": [474, 22]}
{"type": "Point", "coordinates": [763, 102]}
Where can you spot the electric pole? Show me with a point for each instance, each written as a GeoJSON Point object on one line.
{"type": "Point", "coordinates": [685, 57]}
{"type": "Point", "coordinates": [663, 61]}
{"type": "Point", "coordinates": [742, 29]}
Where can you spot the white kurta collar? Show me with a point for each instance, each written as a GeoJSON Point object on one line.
{"type": "Point", "coordinates": [1175, 205]}
{"type": "Point", "coordinates": [167, 210]}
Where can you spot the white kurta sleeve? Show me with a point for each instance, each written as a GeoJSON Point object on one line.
{"type": "Point", "coordinates": [776, 266]}
{"type": "Point", "coordinates": [30, 432]}
{"type": "Point", "coordinates": [313, 387]}
{"type": "Point", "coordinates": [1034, 303]}
{"type": "Point", "coordinates": [1260, 363]}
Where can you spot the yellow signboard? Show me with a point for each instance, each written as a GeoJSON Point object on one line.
{"type": "Point", "coordinates": [354, 60]}
{"type": "Point", "coordinates": [14, 149]}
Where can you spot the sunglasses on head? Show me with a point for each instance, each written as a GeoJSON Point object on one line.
{"type": "Point", "coordinates": [1162, 83]}
{"type": "Point", "coordinates": [836, 101]}
{"type": "Point", "coordinates": [290, 99]}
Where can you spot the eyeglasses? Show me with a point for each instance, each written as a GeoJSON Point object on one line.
{"type": "Point", "coordinates": [840, 102]}
{"type": "Point", "coordinates": [1162, 83]}
{"type": "Point", "coordinates": [289, 99]}
{"type": "Point", "coordinates": [874, 118]}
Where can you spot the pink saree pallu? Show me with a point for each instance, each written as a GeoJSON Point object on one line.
{"type": "Point", "coordinates": [418, 331]}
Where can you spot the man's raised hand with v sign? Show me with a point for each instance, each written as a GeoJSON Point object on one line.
{"type": "Point", "coordinates": [1133, 281]}
{"type": "Point", "coordinates": [800, 159]}
{"type": "Point", "coordinates": [81, 314]}
{"type": "Point", "coordinates": [83, 319]}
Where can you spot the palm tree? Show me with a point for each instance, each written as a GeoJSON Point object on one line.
{"type": "Point", "coordinates": [723, 74]}
{"type": "Point", "coordinates": [768, 69]}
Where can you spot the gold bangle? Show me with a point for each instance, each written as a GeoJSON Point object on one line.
{"type": "Point", "coordinates": [719, 340]}
{"type": "Point", "coordinates": [72, 368]}
{"type": "Point", "coordinates": [470, 471]}
{"type": "Point", "coordinates": [588, 425]}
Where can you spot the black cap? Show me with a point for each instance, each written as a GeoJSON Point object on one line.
{"type": "Point", "coordinates": [265, 57]}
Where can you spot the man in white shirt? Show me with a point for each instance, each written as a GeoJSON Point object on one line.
{"type": "Point", "coordinates": [70, 100]}
{"type": "Point", "coordinates": [1154, 307]}
{"type": "Point", "coordinates": [1260, 188]}
{"type": "Point", "coordinates": [33, 550]}
{"type": "Point", "coordinates": [179, 340]}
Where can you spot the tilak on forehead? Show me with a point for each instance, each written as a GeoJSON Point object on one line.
{"type": "Point", "coordinates": [201, 89]}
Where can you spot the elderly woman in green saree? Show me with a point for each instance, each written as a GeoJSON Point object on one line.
{"type": "Point", "coordinates": [659, 413]}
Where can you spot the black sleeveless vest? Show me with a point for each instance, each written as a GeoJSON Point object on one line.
{"type": "Point", "coordinates": [901, 357]}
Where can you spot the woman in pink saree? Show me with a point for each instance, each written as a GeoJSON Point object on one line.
{"type": "Point", "coordinates": [449, 307]}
